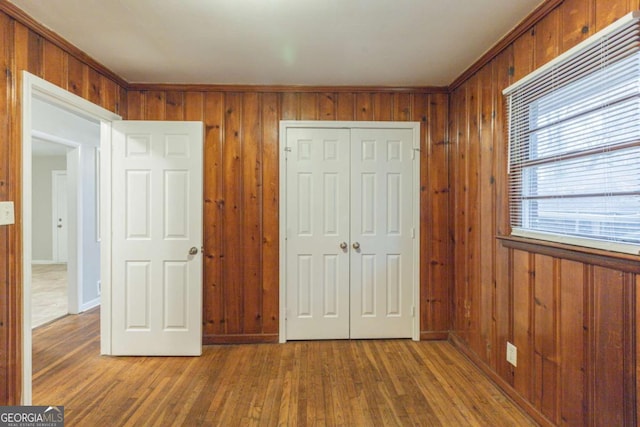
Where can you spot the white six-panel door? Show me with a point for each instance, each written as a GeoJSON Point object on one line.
{"type": "Point", "coordinates": [382, 233]}
{"type": "Point", "coordinates": [317, 226]}
{"type": "Point", "coordinates": [156, 238]}
{"type": "Point", "coordinates": [350, 248]}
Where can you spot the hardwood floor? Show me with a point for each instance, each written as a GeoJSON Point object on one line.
{"type": "Point", "coordinates": [342, 383]}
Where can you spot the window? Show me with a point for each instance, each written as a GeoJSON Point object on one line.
{"type": "Point", "coordinates": [574, 144]}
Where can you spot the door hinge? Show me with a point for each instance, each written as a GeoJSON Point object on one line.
{"type": "Point", "coordinates": [413, 153]}
{"type": "Point", "coordinates": [413, 233]}
{"type": "Point", "coordinates": [413, 311]}
{"type": "Point", "coordinates": [287, 149]}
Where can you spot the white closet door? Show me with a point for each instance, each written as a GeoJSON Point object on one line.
{"type": "Point", "coordinates": [381, 233]}
{"type": "Point", "coordinates": [317, 218]}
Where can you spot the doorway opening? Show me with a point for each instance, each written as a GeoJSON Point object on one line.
{"type": "Point", "coordinates": [50, 287]}
{"type": "Point", "coordinates": [54, 115]}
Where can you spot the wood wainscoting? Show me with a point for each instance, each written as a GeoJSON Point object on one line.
{"type": "Point", "coordinates": [241, 283]}
{"type": "Point", "coordinates": [573, 319]}
{"type": "Point", "coordinates": [26, 45]}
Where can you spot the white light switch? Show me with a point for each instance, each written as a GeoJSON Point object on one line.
{"type": "Point", "coordinates": [512, 354]}
{"type": "Point", "coordinates": [6, 213]}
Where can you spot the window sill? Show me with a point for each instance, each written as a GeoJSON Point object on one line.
{"type": "Point", "coordinates": [615, 260]}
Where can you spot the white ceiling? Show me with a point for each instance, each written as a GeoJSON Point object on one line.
{"type": "Point", "coordinates": [283, 42]}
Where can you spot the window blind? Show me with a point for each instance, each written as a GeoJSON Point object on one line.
{"type": "Point", "coordinates": [574, 144]}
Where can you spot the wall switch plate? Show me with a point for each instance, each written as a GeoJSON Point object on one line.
{"type": "Point", "coordinates": [7, 215]}
{"type": "Point", "coordinates": [512, 354]}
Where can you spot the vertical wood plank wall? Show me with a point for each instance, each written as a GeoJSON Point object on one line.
{"type": "Point", "coordinates": [241, 285]}
{"type": "Point", "coordinates": [573, 322]}
{"type": "Point", "coordinates": [24, 49]}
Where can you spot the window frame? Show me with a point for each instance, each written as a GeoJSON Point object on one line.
{"type": "Point", "coordinates": [518, 178]}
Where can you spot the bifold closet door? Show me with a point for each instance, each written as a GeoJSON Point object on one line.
{"type": "Point", "coordinates": [382, 233]}
{"type": "Point", "coordinates": [317, 233]}
{"type": "Point", "coordinates": [349, 233]}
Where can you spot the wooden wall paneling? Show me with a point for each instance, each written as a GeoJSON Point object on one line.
{"type": "Point", "coordinates": [523, 49]}
{"type": "Point", "coordinates": [364, 106]}
{"type": "Point", "coordinates": [629, 408]}
{"type": "Point", "coordinates": [637, 340]}
{"type": "Point", "coordinates": [606, 376]}
{"type": "Point", "coordinates": [346, 106]}
{"type": "Point", "coordinates": [213, 114]}
{"type": "Point", "coordinates": [420, 111]}
{"type": "Point", "coordinates": [308, 106]}
{"type": "Point", "coordinates": [21, 61]}
{"type": "Point", "coordinates": [545, 370]}
{"type": "Point", "coordinates": [193, 108]}
{"type": "Point", "coordinates": [94, 86]}
{"type": "Point", "coordinates": [77, 77]}
{"type": "Point", "coordinates": [547, 38]}
{"type": "Point", "coordinates": [155, 105]}
{"type": "Point", "coordinates": [251, 243]}
{"type": "Point", "coordinates": [402, 107]}
{"type": "Point", "coordinates": [233, 265]}
{"type": "Point", "coordinates": [382, 106]}
{"type": "Point", "coordinates": [521, 282]}
{"type": "Point", "coordinates": [35, 53]}
{"type": "Point", "coordinates": [290, 106]}
{"type": "Point", "coordinates": [327, 106]}
{"type": "Point", "coordinates": [486, 225]}
{"type": "Point", "coordinates": [606, 12]}
{"type": "Point", "coordinates": [122, 107]}
{"type": "Point", "coordinates": [270, 218]}
{"type": "Point", "coordinates": [174, 107]}
{"type": "Point", "coordinates": [439, 237]}
{"type": "Point", "coordinates": [55, 65]}
{"type": "Point", "coordinates": [135, 105]}
{"type": "Point", "coordinates": [472, 224]}
{"type": "Point", "coordinates": [502, 310]}
{"type": "Point", "coordinates": [21, 55]}
{"type": "Point", "coordinates": [571, 343]}
{"type": "Point", "coordinates": [458, 209]}
{"type": "Point", "coordinates": [435, 271]}
{"type": "Point", "coordinates": [576, 19]}
{"type": "Point", "coordinates": [7, 328]}
{"type": "Point", "coordinates": [109, 95]}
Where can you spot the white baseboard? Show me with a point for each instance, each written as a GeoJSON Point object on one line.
{"type": "Point", "coordinates": [90, 304]}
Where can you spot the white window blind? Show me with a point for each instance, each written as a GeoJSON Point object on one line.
{"type": "Point", "coordinates": [574, 144]}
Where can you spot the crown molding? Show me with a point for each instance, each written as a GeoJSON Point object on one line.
{"type": "Point", "coordinates": [283, 88]}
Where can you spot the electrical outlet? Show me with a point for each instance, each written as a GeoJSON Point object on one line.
{"type": "Point", "coordinates": [512, 354]}
{"type": "Point", "coordinates": [6, 213]}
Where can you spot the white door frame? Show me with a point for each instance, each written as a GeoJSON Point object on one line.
{"type": "Point", "coordinates": [33, 86]}
{"type": "Point", "coordinates": [286, 124]}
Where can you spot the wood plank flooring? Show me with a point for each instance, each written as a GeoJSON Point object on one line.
{"type": "Point", "coordinates": [337, 383]}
